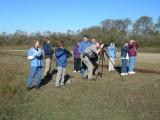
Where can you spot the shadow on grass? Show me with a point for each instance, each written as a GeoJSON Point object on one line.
{"type": "Point", "coordinates": [48, 78]}
{"type": "Point", "coordinates": [67, 77]}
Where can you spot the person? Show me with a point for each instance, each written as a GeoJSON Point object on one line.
{"type": "Point", "coordinates": [124, 57]}
{"type": "Point", "coordinates": [77, 59]}
{"type": "Point", "coordinates": [112, 56]}
{"type": "Point", "coordinates": [61, 63]}
{"type": "Point", "coordinates": [48, 56]}
{"type": "Point", "coordinates": [93, 41]}
{"type": "Point", "coordinates": [133, 46]}
{"type": "Point", "coordinates": [90, 53]}
{"type": "Point", "coordinates": [82, 46]}
{"type": "Point", "coordinates": [35, 56]}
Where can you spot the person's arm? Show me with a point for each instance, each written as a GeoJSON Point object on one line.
{"type": "Point", "coordinates": [80, 48]}
{"type": "Point", "coordinates": [125, 48]}
{"type": "Point", "coordinates": [98, 51]}
{"type": "Point", "coordinates": [31, 54]}
{"type": "Point", "coordinates": [136, 45]}
{"type": "Point", "coordinates": [59, 53]}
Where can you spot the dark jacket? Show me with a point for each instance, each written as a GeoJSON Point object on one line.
{"type": "Point", "coordinates": [75, 51]}
{"type": "Point", "coordinates": [47, 50]}
{"type": "Point", "coordinates": [61, 57]}
{"type": "Point", "coordinates": [133, 49]}
{"type": "Point", "coordinates": [124, 51]}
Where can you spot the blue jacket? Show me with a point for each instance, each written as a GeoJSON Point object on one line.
{"type": "Point", "coordinates": [61, 57]}
{"type": "Point", "coordinates": [124, 51]}
{"type": "Point", "coordinates": [32, 53]}
{"type": "Point", "coordinates": [47, 50]}
{"type": "Point", "coordinates": [83, 45]}
{"type": "Point", "coordinates": [112, 51]}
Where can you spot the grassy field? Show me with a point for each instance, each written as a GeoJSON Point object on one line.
{"type": "Point", "coordinates": [108, 98]}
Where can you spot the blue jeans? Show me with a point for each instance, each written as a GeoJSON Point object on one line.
{"type": "Point", "coordinates": [124, 66]}
{"type": "Point", "coordinates": [83, 69]}
{"type": "Point", "coordinates": [34, 71]}
{"type": "Point", "coordinates": [132, 61]}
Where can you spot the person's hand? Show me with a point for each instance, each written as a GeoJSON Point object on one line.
{"type": "Point", "coordinates": [39, 57]}
{"type": "Point", "coordinates": [126, 44]}
{"type": "Point", "coordinates": [101, 46]}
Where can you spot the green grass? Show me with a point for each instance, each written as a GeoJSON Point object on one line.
{"type": "Point", "coordinates": [108, 98]}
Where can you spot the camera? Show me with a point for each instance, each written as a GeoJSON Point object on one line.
{"type": "Point", "coordinates": [105, 45]}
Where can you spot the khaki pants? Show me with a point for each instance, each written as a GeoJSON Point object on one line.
{"type": "Point", "coordinates": [89, 70]}
{"type": "Point", "coordinates": [47, 66]}
{"type": "Point", "coordinates": [110, 66]}
{"type": "Point", "coordinates": [60, 76]}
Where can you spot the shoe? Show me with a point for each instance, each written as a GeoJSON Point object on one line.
{"type": "Point", "coordinates": [84, 77]}
{"type": "Point", "coordinates": [78, 71]}
{"type": "Point", "coordinates": [62, 84]}
{"type": "Point", "coordinates": [123, 74]}
{"type": "Point", "coordinates": [68, 81]}
{"type": "Point", "coordinates": [131, 72]}
{"type": "Point", "coordinates": [126, 73]}
{"type": "Point", "coordinates": [75, 71]}
{"type": "Point", "coordinates": [92, 79]}
{"type": "Point", "coordinates": [28, 88]}
{"type": "Point", "coordinates": [37, 87]}
{"type": "Point", "coordinates": [109, 69]}
{"type": "Point", "coordinates": [113, 69]}
{"type": "Point", "coordinates": [57, 86]}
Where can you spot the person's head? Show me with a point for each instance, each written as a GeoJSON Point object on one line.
{"type": "Point", "coordinates": [111, 44]}
{"type": "Point", "coordinates": [125, 44]}
{"type": "Point", "coordinates": [132, 41]}
{"type": "Point", "coordinates": [76, 42]}
{"type": "Point", "coordinates": [85, 38]}
{"type": "Point", "coordinates": [61, 44]}
{"type": "Point", "coordinates": [93, 40]}
{"type": "Point", "coordinates": [97, 44]}
{"type": "Point", "coordinates": [35, 43]}
{"type": "Point", "coordinates": [47, 40]}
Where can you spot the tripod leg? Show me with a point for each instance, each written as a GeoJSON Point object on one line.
{"type": "Point", "coordinates": [113, 64]}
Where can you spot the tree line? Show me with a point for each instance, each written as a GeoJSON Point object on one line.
{"type": "Point", "coordinates": [143, 30]}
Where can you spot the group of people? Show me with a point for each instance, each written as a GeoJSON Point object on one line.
{"type": "Point", "coordinates": [86, 54]}
{"type": "Point", "coordinates": [35, 55]}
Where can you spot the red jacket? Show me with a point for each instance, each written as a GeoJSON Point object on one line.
{"type": "Point", "coordinates": [133, 49]}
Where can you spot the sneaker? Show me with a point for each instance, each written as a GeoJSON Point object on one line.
{"type": "Point", "coordinates": [126, 73]}
{"type": "Point", "coordinates": [75, 71]}
{"type": "Point", "coordinates": [68, 81]}
{"type": "Point", "coordinates": [62, 84]}
{"type": "Point", "coordinates": [123, 74]}
{"type": "Point", "coordinates": [57, 86]}
{"type": "Point", "coordinates": [113, 69]}
{"type": "Point", "coordinates": [84, 77]}
{"type": "Point", "coordinates": [92, 79]}
{"type": "Point", "coordinates": [109, 69]}
{"type": "Point", "coordinates": [131, 72]}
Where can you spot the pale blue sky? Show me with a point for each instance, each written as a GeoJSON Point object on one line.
{"type": "Point", "coordinates": [61, 15]}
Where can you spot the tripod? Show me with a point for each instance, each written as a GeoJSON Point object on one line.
{"type": "Point", "coordinates": [103, 52]}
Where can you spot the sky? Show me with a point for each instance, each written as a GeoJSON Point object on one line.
{"type": "Point", "coordinates": [62, 15]}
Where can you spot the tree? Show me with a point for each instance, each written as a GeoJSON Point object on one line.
{"type": "Point", "coordinates": [157, 26]}
{"type": "Point", "coordinates": [143, 25]}
{"type": "Point", "coordinates": [118, 25]}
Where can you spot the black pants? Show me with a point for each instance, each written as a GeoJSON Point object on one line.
{"type": "Point", "coordinates": [77, 62]}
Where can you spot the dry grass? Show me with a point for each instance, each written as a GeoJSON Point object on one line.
{"type": "Point", "coordinates": [108, 98]}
